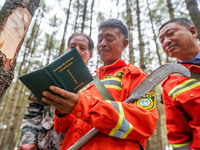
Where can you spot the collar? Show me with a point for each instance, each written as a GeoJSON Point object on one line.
{"type": "Point", "coordinates": [118, 64]}
{"type": "Point", "coordinates": [195, 60]}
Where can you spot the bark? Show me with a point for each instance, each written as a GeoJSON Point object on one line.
{"type": "Point", "coordinates": [159, 131]}
{"type": "Point", "coordinates": [62, 46]}
{"type": "Point", "coordinates": [170, 9]}
{"type": "Point", "coordinates": [51, 46]}
{"type": "Point", "coordinates": [154, 34]}
{"type": "Point", "coordinates": [130, 25]}
{"type": "Point", "coordinates": [15, 17]}
{"type": "Point", "coordinates": [84, 16]}
{"type": "Point", "coordinates": [77, 15]}
{"type": "Point", "coordinates": [171, 15]}
{"type": "Point", "coordinates": [91, 16]}
{"type": "Point", "coordinates": [141, 43]}
{"type": "Point", "coordinates": [194, 12]}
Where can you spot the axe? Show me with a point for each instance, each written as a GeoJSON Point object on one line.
{"type": "Point", "coordinates": [143, 88]}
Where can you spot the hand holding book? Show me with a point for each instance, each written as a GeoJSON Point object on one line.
{"type": "Point", "coordinates": [62, 100]}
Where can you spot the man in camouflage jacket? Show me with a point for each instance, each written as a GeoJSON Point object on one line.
{"type": "Point", "coordinates": [38, 126]}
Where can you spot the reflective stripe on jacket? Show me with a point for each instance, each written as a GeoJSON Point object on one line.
{"type": "Point", "coordinates": [183, 146]}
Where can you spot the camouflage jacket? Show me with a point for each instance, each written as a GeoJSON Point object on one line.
{"type": "Point", "coordinates": [37, 126]}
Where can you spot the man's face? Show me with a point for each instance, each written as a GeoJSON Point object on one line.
{"type": "Point", "coordinates": [111, 44]}
{"type": "Point", "coordinates": [81, 43]}
{"type": "Point", "coordinates": [178, 41]}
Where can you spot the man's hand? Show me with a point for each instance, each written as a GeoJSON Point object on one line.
{"type": "Point", "coordinates": [61, 99]}
{"type": "Point", "coordinates": [28, 147]}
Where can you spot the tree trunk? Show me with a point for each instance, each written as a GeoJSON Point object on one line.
{"type": "Point", "coordinates": [77, 15]}
{"type": "Point", "coordinates": [62, 46]}
{"type": "Point", "coordinates": [15, 17]}
{"type": "Point", "coordinates": [91, 16]}
{"type": "Point", "coordinates": [84, 16]}
{"type": "Point", "coordinates": [154, 34]}
{"type": "Point", "coordinates": [141, 43]}
{"type": "Point", "coordinates": [171, 15]}
{"type": "Point", "coordinates": [130, 25]}
{"type": "Point", "coordinates": [194, 12]}
{"type": "Point", "coordinates": [170, 9]}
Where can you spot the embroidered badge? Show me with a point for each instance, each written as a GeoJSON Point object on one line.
{"type": "Point", "coordinates": [147, 101]}
{"type": "Point", "coordinates": [108, 76]}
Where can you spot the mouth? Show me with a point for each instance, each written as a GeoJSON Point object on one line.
{"type": "Point", "coordinates": [170, 48]}
{"type": "Point", "coordinates": [103, 51]}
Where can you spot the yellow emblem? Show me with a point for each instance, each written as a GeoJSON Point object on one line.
{"type": "Point", "coordinates": [147, 101]}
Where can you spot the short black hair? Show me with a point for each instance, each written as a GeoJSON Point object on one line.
{"type": "Point", "coordinates": [91, 43]}
{"type": "Point", "coordinates": [114, 23]}
{"type": "Point", "coordinates": [181, 21]}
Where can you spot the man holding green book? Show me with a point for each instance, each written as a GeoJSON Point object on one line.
{"type": "Point", "coordinates": [37, 126]}
{"type": "Point", "coordinates": [123, 126]}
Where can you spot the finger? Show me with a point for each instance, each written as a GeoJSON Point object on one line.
{"type": "Point", "coordinates": [62, 92]}
{"type": "Point", "coordinates": [60, 107]}
{"type": "Point", "coordinates": [53, 97]}
{"type": "Point", "coordinates": [48, 101]}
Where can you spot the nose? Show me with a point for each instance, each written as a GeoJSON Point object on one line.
{"type": "Point", "coordinates": [103, 43]}
{"type": "Point", "coordinates": [79, 50]}
{"type": "Point", "coordinates": [167, 41]}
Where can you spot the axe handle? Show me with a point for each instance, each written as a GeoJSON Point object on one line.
{"type": "Point", "coordinates": [93, 131]}
{"type": "Point", "coordinates": [84, 139]}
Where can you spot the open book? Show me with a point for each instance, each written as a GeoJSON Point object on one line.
{"type": "Point", "coordinates": [68, 72]}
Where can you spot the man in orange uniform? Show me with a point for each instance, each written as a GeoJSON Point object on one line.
{"type": "Point", "coordinates": [122, 126]}
{"type": "Point", "coordinates": [181, 95]}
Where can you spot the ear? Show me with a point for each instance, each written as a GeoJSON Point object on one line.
{"type": "Point", "coordinates": [91, 53]}
{"type": "Point", "coordinates": [193, 31]}
{"type": "Point", "coordinates": [125, 43]}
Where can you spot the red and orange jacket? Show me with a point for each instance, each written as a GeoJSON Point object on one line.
{"type": "Point", "coordinates": [181, 96]}
{"type": "Point", "coordinates": [120, 130]}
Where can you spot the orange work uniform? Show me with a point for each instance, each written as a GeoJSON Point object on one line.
{"type": "Point", "coordinates": [120, 124]}
{"type": "Point", "coordinates": [181, 96]}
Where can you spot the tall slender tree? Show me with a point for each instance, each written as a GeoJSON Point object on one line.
{"type": "Point", "coordinates": [84, 15]}
{"type": "Point", "coordinates": [140, 38]}
{"type": "Point", "coordinates": [194, 12]}
{"type": "Point", "coordinates": [171, 15]}
{"type": "Point", "coordinates": [154, 33]}
{"type": "Point", "coordinates": [130, 25]}
{"type": "Point", "coordinates": [91, 17]}
{"type": "Point", "coordinates": [77, 6]}
{"type": "Point", "coordinates": [62, 46]}
{"type": "Point", "coordinates": [170, 9]}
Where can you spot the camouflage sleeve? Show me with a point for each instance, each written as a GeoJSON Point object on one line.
{"type": "Point", "coordinates": [31, 122]}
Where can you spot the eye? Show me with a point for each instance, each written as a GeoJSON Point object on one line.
{"type": "Point", "coordinates": [170, 34]}
{"type": "Point", "coordinates": [83, 48]}
{"type": "Point", "coordinates": [99, 40]}
{"type": "Point", "coordinates": [109, 39]}
{"type": "Point", "coordinates": [71, 47]}
{"type": "Point", "coordinates": [161, 40]}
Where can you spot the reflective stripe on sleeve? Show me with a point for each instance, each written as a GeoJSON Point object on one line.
{"type": "Point", "coordinates": [185, 86]}
{"type": "Point", "coordinates": [114, 83]}
{"type": "Point", "coordinates": [123, 127]}
{"type": "Point", "coordinates": [183, 146]}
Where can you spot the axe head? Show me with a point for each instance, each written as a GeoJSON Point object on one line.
{"type": "Point", "coordinates": [155, 78]}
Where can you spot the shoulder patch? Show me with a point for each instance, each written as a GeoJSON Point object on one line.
{"type": "Point", "coordinates": [147, 102]}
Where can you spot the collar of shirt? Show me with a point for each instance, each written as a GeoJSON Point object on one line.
{"type": "Point", "coordinates": [194, 60]}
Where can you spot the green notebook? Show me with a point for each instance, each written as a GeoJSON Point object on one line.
{"type": "Point", "coordinates": [68, 72]}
